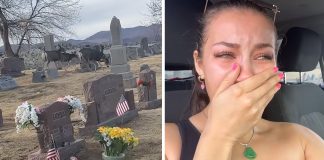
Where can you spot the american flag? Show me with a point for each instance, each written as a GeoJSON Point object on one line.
{"type": "Point", "coordinates": [53, 154]}
{"type": "Point", "coordinates": [122, 106]}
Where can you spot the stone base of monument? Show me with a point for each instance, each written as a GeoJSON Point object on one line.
{"type": "Point", "coordinates": [12, 66]}
{"type": "Point", "coordinates": [64, 152]}
{"type": "Point", "coordinates": [120, 68]}
{"type": "Point", "coordinates": [149, 105]}
{"type": "Point", "coordinates": [130, 83]}
{"type": "Point", "coordinates": [126, 117]}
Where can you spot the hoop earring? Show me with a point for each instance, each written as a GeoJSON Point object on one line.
{"type": "Point", "coordinates": [202, 82]}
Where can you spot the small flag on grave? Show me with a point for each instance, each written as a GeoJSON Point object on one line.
{"type": "Point", "coordinates": [122, 106]}
{"type": "Point", "coordinates": [52, 154]}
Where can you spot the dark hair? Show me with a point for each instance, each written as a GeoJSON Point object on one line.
{"type": "Point", "coordinates": [199, 99]}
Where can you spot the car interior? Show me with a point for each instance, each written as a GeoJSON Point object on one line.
{"type": "Point", "coordinates": [300, 26]}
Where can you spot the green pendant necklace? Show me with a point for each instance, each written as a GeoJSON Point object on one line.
{"type": "Point", "coordinates": [249, 153]}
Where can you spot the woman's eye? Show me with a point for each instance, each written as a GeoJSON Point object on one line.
{"type": "Point", "coordinates": [265, 57]}
{"type": "Point", "coordinates": [228, 55]}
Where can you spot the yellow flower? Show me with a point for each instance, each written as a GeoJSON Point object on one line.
{"type": "Point", "coordinates": [101, 129]}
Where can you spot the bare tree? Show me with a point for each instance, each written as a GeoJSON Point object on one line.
{"type": "Point", "coordinates": [155, 17]}
{"type": "Point", "coordinates": [155, 11]}
{"type": "Point", "coordinates": [29, 20]}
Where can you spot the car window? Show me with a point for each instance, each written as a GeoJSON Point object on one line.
{"type": "Point", "coordinates": [179, 74]}
{"type": "Point", "coordinates": [314, 76]}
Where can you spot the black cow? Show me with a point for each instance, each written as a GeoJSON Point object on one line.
{"type": "Point", "coordinates": [59, 55]}
{"type": "Point", "coordinates": [89, 54]}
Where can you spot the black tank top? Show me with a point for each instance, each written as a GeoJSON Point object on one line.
{"type": "Point", "coordinates": [189, 137]}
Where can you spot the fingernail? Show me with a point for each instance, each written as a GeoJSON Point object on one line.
{"type": "Point", "coordinates": [278, 85]}
{"type": "Point", "coordinates": [234, 66]}
{"type": "Point", "coordinates": [281, 75]}
{"type": "Point", "coordinates": [275, 69]}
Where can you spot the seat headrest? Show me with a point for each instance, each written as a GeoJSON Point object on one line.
{"type": "Point", "coordinates": [300, 50]}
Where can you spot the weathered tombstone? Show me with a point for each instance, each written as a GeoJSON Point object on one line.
{"type": "Point", "coordinates": [102, 95]}
{"type": "Point", "coordinates": [56, 123]}
{"type": "Point", "coordinates": [39, 76]}
{"type": "Point", "coordinates": [52, 72]}
{"type": "Point", "coordinates": [49, 43]}
{"type": "Point", "coordinates": [118, 56]}
{"type": "Point", "coordinates": [147, 92]}
{"type": "Point", "coordinates": [12, 66]}
{"type": "Point", "coordinates": [144, 45]}
{"type": "Point", "coordinates": [1, 119]}
{"type": "Point", "coordinates": [115, 31]}
{"type": "Point", "coordinates": [144, 67]}
{"type": "Point", "coordinates": [156, 48]}
{"type": "Point", "coordinates": [140, 52]}
{"type": "Point", "coordinates": [7, 83]}
{"type": "Point", "coordinates": [131, 52]}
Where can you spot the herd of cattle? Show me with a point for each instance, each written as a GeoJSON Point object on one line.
{"type": "Point", "coordinates": [86, 55]}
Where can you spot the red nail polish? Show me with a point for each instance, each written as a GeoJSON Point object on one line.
{"type": "Point", "coordinates": [275, 69]}
{"type": "Point", "coordinates": [234, 66]}
{"type": "Point", "coordinates": [281, 75]}
{"type": "Point", "coordinates": [278, 85]}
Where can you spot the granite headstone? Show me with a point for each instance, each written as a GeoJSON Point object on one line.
{"type": "Point", "coordinates": [7, 83]}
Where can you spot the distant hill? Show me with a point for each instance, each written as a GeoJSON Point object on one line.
{"type": "Point", "coordinates": [129, 36]}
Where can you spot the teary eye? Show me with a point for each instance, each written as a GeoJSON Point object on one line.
{"type": "Point", "coordinates": [225, 54]}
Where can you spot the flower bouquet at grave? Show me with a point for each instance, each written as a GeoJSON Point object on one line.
{"type": "Point", "coordinates": [74, 104]}
{"type": "Point", "coordinates": [116, 141]}
{"type": "Point", "coordinates": [26, 115]}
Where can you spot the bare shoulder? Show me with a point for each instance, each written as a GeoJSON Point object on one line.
{"type": "Point", "coordinates": [172, 141]}
{"type": "Point", "coordinates": [311, 143]}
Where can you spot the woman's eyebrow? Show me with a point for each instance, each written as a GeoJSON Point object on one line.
{"type": "Point", "coordinates": [227, 44]}
{"type": "Point", "coordinates": [263, 45]}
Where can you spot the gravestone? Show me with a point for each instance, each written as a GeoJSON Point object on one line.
{"type": "Point", "coordinates": [140, 52]}
{"type": "Point", "coordinates": [39, 76]}
{"type": "Point", "coordinates": [52, 72]}
{"type": "Point", "coordinates": [131, 52]}
{"type": "Point", "coordinates": [49, 42]}
{"type": "Point", "coordinates": [56, 123]}
{"type": "Point", "coordinates": [7, 83]}
{"type": "Point", "coordinates": [118, 56]}
{"type": "Point", "coordinates": [115, 30]}
{"type": "Point", "coordinates": [147, 92]}
{"type": "Point", "coordinates": [144, 67]}
{"type": "Point", "coordinates": [144, 45]}
{"type": "Point", "coordinates": [156, 48]}
{"type": "Point", "coordinates": [12, 66]}
{"type": "Point", "coordinates": [1, 119]}
{"type": "Point", "coordinates": [102, 95]}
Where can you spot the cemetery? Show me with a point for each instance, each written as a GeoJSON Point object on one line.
{"type": "Point", "coordinates": [69, 105]}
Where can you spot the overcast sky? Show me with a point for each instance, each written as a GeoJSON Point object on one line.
{"type": "Point", "coordinates": [95, 15]}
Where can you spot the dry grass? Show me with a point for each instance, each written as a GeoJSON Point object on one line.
{"type": "Point", "coordinates": [17, 146]}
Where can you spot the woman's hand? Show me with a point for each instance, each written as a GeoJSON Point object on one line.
{"type": "Point", "coordinates": [235, 109]}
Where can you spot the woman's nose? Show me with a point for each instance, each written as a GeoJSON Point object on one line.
{"type": "Point", "coordinates": [246, 71]}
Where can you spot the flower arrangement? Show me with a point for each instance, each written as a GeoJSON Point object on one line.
{"type": "Point", "coordinates": [115, 140]}
{"type": "Point", "coordinates": [74, 104]}
{"type": "Point", "coordinates": [26, 115]}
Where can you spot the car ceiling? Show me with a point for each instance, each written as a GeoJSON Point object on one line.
{"type": "Point", "coordinates": [301, 13]}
